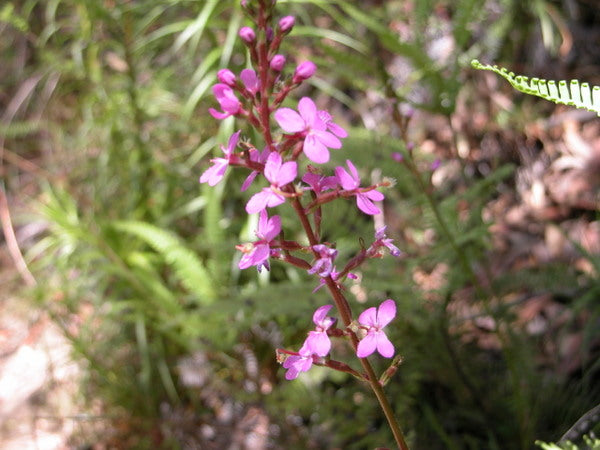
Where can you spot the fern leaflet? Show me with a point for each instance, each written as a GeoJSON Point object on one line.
{"type": "Point", "coordinates": [561, 92]}
{"type": "Point", "coordinates": [186, 265]}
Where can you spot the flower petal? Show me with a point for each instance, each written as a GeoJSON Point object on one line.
{"type": "Point", "coordinates": [263, 222]}
{"type": "Point", "coordinates": [272, 229]}
{"type": "Point", "coordinates": [232, 144]}
{"type": "Point", "coordinates": [327, 139]}
{"type": "Point", "coordinates": [353, 171]}
{"type": "Point", "coordinates": [368, 317]}
{"type": "Point", "coordinates": [218, 115]}
{"type": "Point", "coordinates": [320, 314]}
{"type": "Point", "coordinates": [337, 130]}
{"type": "Point", "coordinates": [315, 150]}
{"type": "Point", "coordinates": [374, 195]}
{"type": "Point", "coordinates": [384, 346]}
{"type": "Point", "coordinates": [386, 312]}
{"type": "Point", "coordinates": [287, 173]}
{"type": "Point", "coordinates": [274, 199]}
{"type": "Point", "coordinates": [318, 343]}
{"type": "Point", "coordinates": [272, 167]}
{"type": "Point", "coordinates": [248, 77]}
{"type": "Point", "coordinates": [289, 120]}
{"type": "Point", "coordinates": [366, 346]}
{"type": "Point", "coordinates": [248, 181]}
{"type": "Point", "coordinates": [215, 173]}
{"type": "Point", "coordinates": [308, 110]}
{"type": "Point", "coordinates": [366, 205]}
{"type": "Point", "coordinates": [345, 179]}
{"type": "Point", "coordinates": [258, 201]}
{"type": "Point", "coordinates": [292, 373]}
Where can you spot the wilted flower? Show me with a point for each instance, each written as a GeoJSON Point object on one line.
{"type": "Point", "coordinates": [324, 265]}
{"type": "Point", "coordinates": [381, 240]}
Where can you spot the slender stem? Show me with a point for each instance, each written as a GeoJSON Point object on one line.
{"type": "Point", "coordinates": [345, 312]}
{"type": "Point", "coordinates": [263, 72]}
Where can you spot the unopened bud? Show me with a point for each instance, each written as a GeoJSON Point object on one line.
{"type": "Point", "coordinates": [226, 76]}
{"type": "Point", "coordinates": [286, 24]}
{"type": "Point", "coordinates": [304, 71]}
{"type": "Point", "coordinates": [247, 34]}
{"type": "Point", "coordinates": [277, 63]}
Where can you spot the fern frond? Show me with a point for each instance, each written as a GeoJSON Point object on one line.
{"type": "Point", "coordinates": [564, 92]}
{"type": "Point", "coordinates": [186, 265]}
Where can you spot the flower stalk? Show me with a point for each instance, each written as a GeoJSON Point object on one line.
{"type": "Point", "coordinates": [305, 132]}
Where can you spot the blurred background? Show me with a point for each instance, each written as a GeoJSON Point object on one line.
{"type": "Point", "coordinates": [124, 320]}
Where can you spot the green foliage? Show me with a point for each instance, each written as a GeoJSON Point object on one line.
{"type": "Point", "coordinates": [563, 92]}
{"type": "Point", "coordinates": [188, 268]}
{"type": "Point", "coordinates": [590, 444]}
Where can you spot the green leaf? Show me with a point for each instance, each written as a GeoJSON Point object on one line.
{"type": "Point", "coordinates": [186, 265]}
{"type": "Point", "coordinates": [561, 92]}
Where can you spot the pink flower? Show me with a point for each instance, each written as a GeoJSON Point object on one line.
{"type": "Point", "coordinates": [324, 265]}
{"type": "Point", "coordinates": [215, 173]}
{"type": "Point", "coordinates": [375, 320]}
{"type": "Point", "coordinates": [317, 341]}
{"type": "Point", "coordinates": [302, 362]}
{"type": "Point", "coordinates": [257, 254]}
{"type": "Point", "coordinates": [310, 127]}
{"type": "Point", "coordinates": [351, 182]}
{"type": "Point", "coordinates": [227, 100]}
{"type": "Point", "coordinates": [279, 174]}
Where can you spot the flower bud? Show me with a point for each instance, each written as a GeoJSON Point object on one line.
{"type": "Point", "coordinates": [247, 34]}
{"type": "Point", "coordinates": [226, 76]}
{"type": "Point", "coordinates": [304, 71]}
{"type": "Point", "coordinates": [277, 63]}
{"type": "Point", "coordinates": [286, 24]}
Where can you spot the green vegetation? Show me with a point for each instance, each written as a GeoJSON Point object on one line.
{"type": "Point", "coordinates": [103, 137]}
